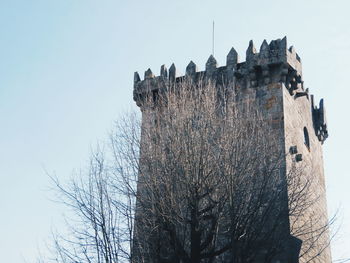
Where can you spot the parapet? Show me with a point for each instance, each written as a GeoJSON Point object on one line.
{"type": "Point", "coordinates": [274, 62]}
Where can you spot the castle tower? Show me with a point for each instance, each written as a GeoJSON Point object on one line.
{"type": "Point", "coordinates": [272, 78]}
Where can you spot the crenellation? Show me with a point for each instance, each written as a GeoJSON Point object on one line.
{"type": "Point", "coordinates": [251, 52]}
{"type": "Point", "coordinates": [294, 60]}
{"type": "Point", "coordinates": [136, 78]}
{"type": "Point", "coordinates": [278, 50]}
{"type": "Point", "coordinates": [163, 71]}
{"type": "Point", "coordinates": [274, 62]}
{"type": "Point", "coordinates": [210, 67]}
{"type": "Point", "coordinates": [172, 72]}
{"type": "Point", "coordinates": [264, 52]}
{"type": "Point", "coordinates": [149, 74]}
{"type": "Point", "coordinates": [232, 59]}
{"type": "Point", "coordinates": [191, 69]}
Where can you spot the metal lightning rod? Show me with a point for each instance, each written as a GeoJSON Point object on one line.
{"type": "Point", "coordinates": [213, 38]}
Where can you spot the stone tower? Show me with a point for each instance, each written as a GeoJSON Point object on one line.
{"type": "Point", "coordinates": [272, 78]}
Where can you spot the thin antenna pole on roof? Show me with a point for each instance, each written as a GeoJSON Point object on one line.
{"type": "Point", "coordinates": [213, 38]}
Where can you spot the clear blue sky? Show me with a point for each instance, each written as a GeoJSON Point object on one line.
{"type": "Point", "coordinates": [66, 72]}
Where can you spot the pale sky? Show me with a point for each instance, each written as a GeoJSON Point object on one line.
{"type": "Point", "coordinates": [66, 72]}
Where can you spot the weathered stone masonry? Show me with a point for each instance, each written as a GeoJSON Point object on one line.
{"type": "Point", "coordinates": [271, 78]}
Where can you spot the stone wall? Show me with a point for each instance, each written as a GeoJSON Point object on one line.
{"type": "Point", "coordinates": [298, 125]}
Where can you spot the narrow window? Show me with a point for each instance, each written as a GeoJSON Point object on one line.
{"type": "Point", "coordinates": [306, 138]}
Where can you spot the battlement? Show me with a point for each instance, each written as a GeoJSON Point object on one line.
{"type": "Point", "coordinates": [274, 63]}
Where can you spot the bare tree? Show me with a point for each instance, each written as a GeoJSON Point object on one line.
{"type": "Point", "coordinates": [202, 179]}
{"type": "Point", "coordinates": [102, 202]}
